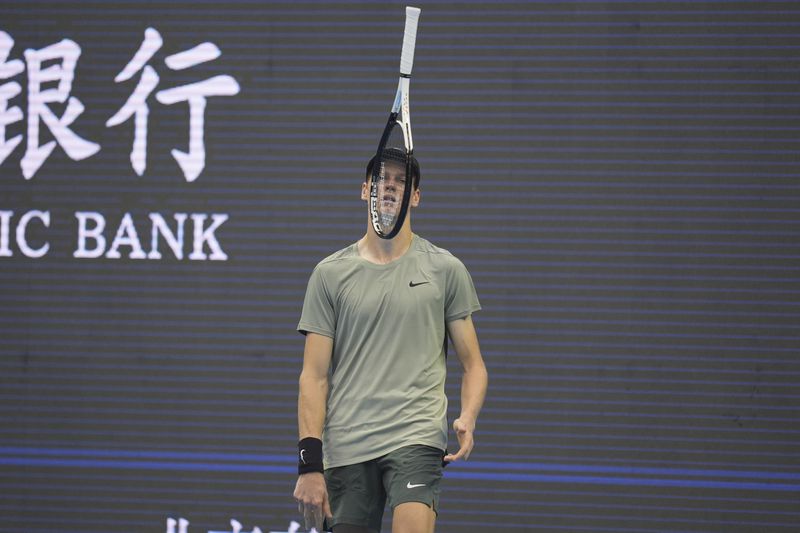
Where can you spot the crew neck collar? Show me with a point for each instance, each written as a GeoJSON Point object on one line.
{"type": "Point", "coordinates": [390, 263]}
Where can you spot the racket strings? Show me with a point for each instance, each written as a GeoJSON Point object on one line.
{"type": "Point", "coordinates": [390, 182]}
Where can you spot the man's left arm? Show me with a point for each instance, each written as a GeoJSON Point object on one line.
{"type": "Point", "coordinates": [474, 381]}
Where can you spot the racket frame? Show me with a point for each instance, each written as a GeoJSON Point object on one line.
{"type": "Point", "coordinates": [400, 116]}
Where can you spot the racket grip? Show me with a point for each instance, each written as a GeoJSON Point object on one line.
{"type": "Point", "coordinates": [409, 40]}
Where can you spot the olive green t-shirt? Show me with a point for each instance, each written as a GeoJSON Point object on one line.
{"type": "Point", "coordinates": [388, 325]}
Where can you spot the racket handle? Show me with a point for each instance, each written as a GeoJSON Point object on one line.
{"type": "Point", "coordinates": [409, 40]}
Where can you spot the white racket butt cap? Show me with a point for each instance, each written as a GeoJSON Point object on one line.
{"type": "Point", "coordinates": [409, 40]}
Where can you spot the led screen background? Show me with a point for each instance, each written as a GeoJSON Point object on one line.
{"type": "Point", "coordinates": [620, 178]}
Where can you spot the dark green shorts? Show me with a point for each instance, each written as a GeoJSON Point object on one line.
{"type": "Point", "coordinates": [358, 493]}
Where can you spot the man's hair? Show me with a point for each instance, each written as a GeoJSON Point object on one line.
{"type": "Point", "coordinates": [395, 154]}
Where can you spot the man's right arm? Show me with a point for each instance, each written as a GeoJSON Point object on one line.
{"type": "Point", "coordinates": [310, 490]}
{"type": "Point", "coordinates": [312, 401]}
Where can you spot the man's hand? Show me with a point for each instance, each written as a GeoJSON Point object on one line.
{"type": "Point", "coordinates": [464, 429]}
{"type": "Point", "coordinates": [312, 500]}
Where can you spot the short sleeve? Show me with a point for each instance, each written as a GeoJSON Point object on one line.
{"type": "Point", "coordinates": [319, 315]}
{"type": "Point", "coordinates": [461, 300]}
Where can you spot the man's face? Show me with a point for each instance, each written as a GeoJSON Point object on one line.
{"type": "Point", "coordinates": [390, 190]}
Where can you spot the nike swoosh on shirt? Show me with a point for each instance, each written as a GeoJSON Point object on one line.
{"type": "Point", "coordinates": [412, 284]}
{"type": "Point", "coordinates": [410, 486]}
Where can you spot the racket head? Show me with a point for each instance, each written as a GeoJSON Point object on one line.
{"type": "Point", "coordinates": [391, 183]}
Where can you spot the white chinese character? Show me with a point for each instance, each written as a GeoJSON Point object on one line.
{"type": "Point", "coordinates": [193, 161]}
{"type": "Point", "coordinates": [137, 102]}
{"type": "Point", "coordinates": [76, 147]}
{"type": "Point", "coordinates": [182, 524]}
{"type": "Point", "coordinates": [236, 527]}
{"type": "Point", "coordinates": [8, 115]}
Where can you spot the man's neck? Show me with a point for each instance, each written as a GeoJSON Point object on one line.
{"type": "Point", "coordinates": [383, 251]}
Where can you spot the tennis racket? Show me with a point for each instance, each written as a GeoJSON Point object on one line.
{"type": "Point", "coordinates": [391, 183]}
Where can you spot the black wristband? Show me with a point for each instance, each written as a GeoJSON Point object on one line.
{"type": "Point", "coordinates": [309, 456]}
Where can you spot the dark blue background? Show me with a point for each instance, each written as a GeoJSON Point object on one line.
{"type": "Point", "coordinates": [621, 179]}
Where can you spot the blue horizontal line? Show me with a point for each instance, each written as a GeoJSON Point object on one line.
{"type": "Point", "coordinates": [562, 412]}
{"type": "Point", "coordinates": [624, 495]}
{"type": "Point", "coordinates": [379, 59]}
{"type": "Point", "coordinates": [477, 206]}
{"type": "Point", "coordinates": [455, 474]}
{"type": "Point", "coordinates": [502, 318]}
{"type": "Point", "coordinates": [683, 483]}
{"type": "Point", "coordinates": [455, 489]}
{"type": "Point", "coordinates": [505, 445]}
{"type": "Point", "coordinates": [497, 399]}
{"type": "Point", "coordinates": [207, 292]}
{"type": "Point", "coordinates": [628, 366]}
{"type": "Point", "coordinates": [291, 392]}
{"type": "Point", "coordinates": [139, 454]}
{"type": "Point", "coordinates": [632, 299]}
{"type": "Point", "coordinates": [234, 135]}
{"type": "Point", "coordinates": [79, 497]}
{"type": "Point", "coordinates": [503, 305]}
{"type": "Point", "coordinates": [628, 392]}
{"type": "Point", "coordinates": [497, 375]}
{"type": "Point", "coordinates": [85, 388]}
{"type": "Point", "coordinates": [500, 355]}
{"type": "Point", "coordinates": [565, 517]}
{"type": "Point", "coordinates": [236, 276]}
{"type": "Point", "coordinates": [280, 443]}
{"type": "Point", "coordinates": [565, 412]}
{"type": "Point", "coordinates": [165, 308]}
{"type": "Point", "coordinates": [157, 346]}
{"type": "Point", "coordinates": [198, 335]}
{"type": "Point", "coordinates": [524, 284]}
{"type": "Point", "coordinates": [220, 369]}
{"type": "Point", "coordinates": [147, 425]}
{"type": "Point", "coordinates": [611, 377]}
{"type": "Point", "coordinates": [141, 344]}
{"type": "Point", "coordinates": [432, 48]}
{"type": "Point", "coordinates": [679, 438]}
{"type": "Point", "coordinates": [651, 450]}
{"type": "Point", "coordinates": [263, 380]}
{"type": "Point", "coordinates": [519, 90]}
{"type": "Point", "coordinates": [593, 344]}
{"type": "Point", "coordinates": [71, 265]}
{"type": "Point", "coordinates": [80, 523]}
{"type": "Point", "coordinates": [193, 490]}
{"type": "Point", "coordinates": [193, 323]}
{"type": "Point", "coordinates": [153, 322]}
{"type": "Point", "coordinates": [217, 436]}
{"type": "Point", "coordinates": [225, 334]}
{"type": "Point", "coordinates": [239, 175]}
{"type": "Point", "coordinates": [216, 402]}
{"type": "Point", "coordinates": [259, 403]}
{"type": "Point", "coordinates": [435, 111]}
{"type": "Point", "coordinates": [535, 330]}
{"type": "Point", "coordinates": [304, 25]}
{"type": "Point", "coordinates": [290, 460]}
{"type": "Point", "coordinates": [506, 160]}
{"type": "Point", "coordinates": [515, 425]}
{"type": "Point", "coordinates": [525, 7]}
{"type": "Point", "coordinates": [256, 455]}
{"type": "Point", "coordinates": [637, 31]}
{"type": "Point", "coordinates": [485, 159]}
{"type": "Point", "coordinates": [484, 69]}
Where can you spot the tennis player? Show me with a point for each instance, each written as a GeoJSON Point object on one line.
{"type": "Point", "coordinates": [372, 406]}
